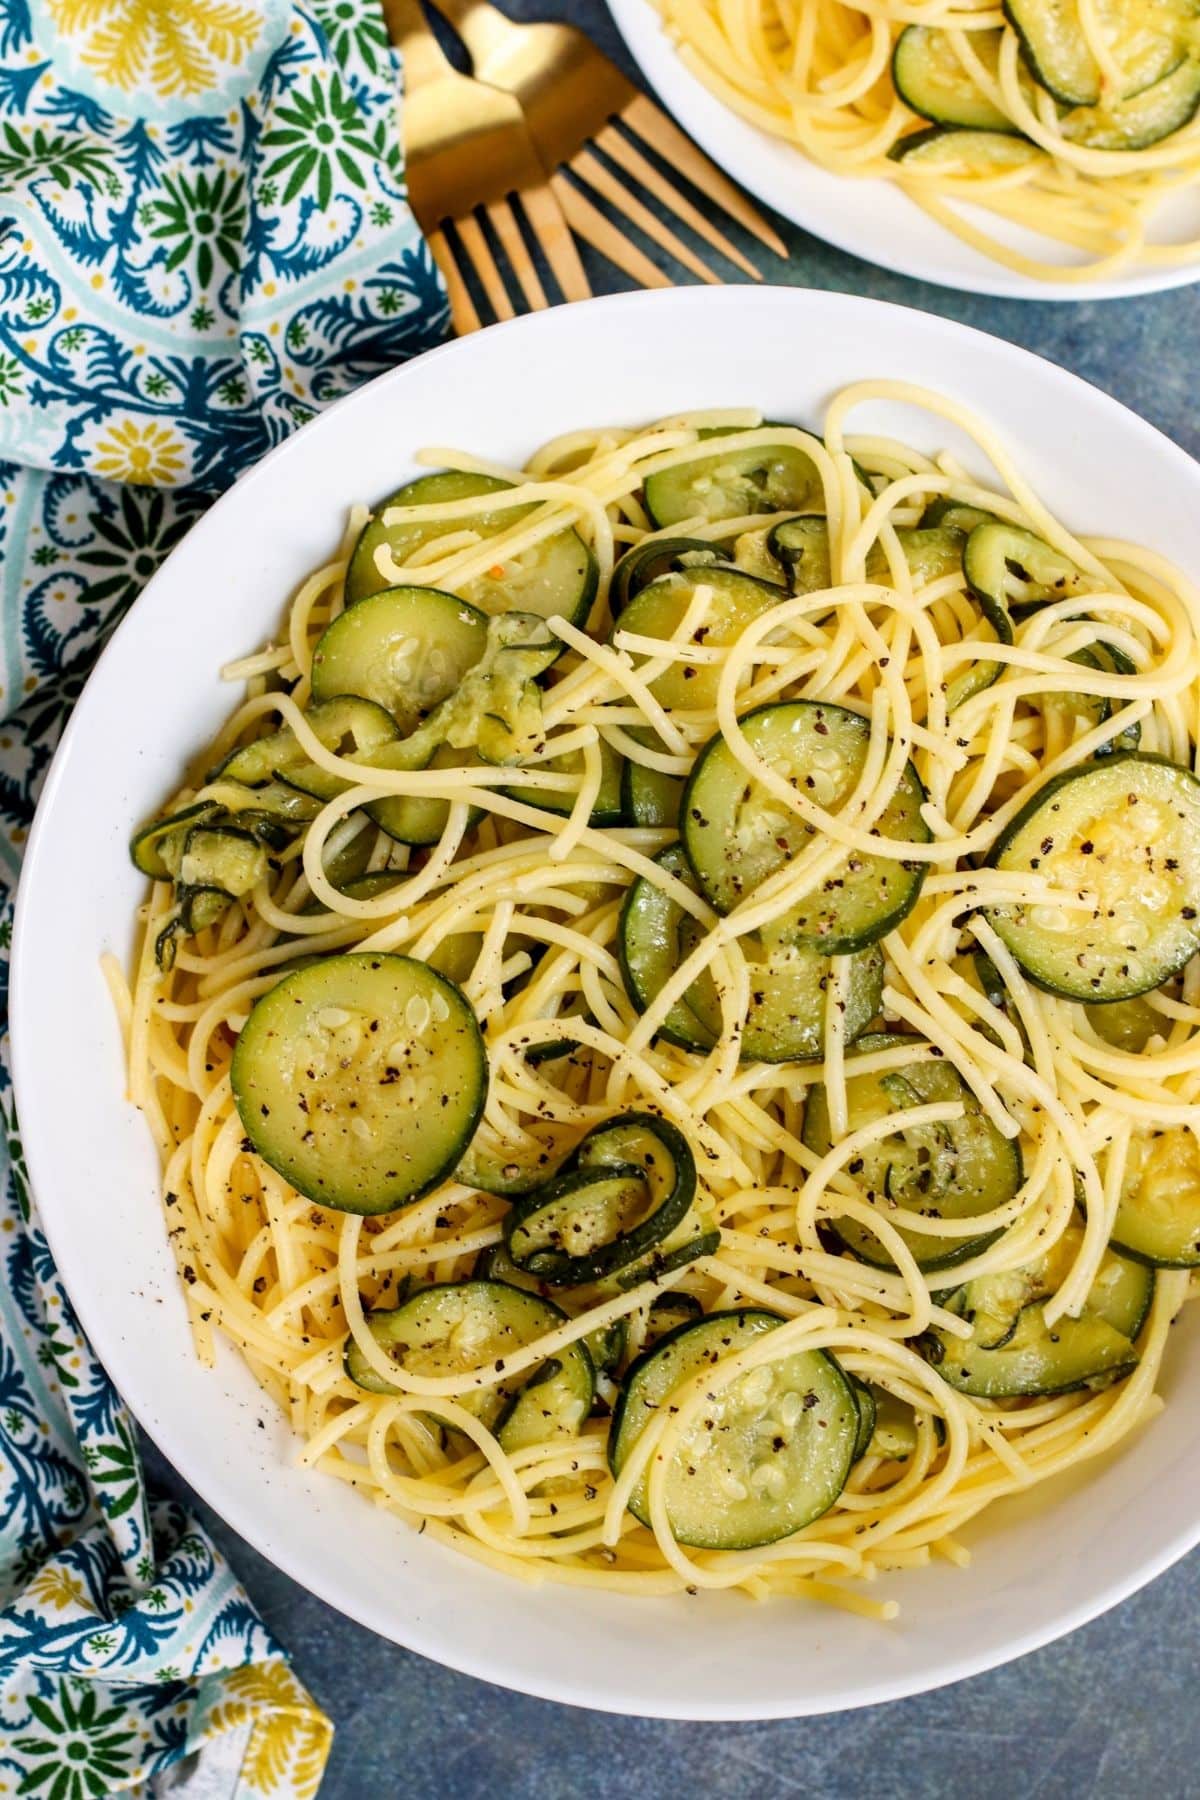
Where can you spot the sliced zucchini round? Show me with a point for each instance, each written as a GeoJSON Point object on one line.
{"type": "Point", "coordinates": [736, 834]}
{"type": "Point", "coordinates": [157, 848]}
{"type": "Point", "coordinates": [559, 575]}
{"type": "Point", "coordinates": [955, 515]}
{"type": "Point", "coordinates": [735, 481]}
{"type": "Point", "coordinates": [864, 1400]}
{"type": "Point", "coordinates": [1158, 1216]}
{"type": "Point", "coordinates": [801, 546]}
{"type": "Point", "coordinates": [463, 1325]}
{"type": "Point", "coordinates": [785, 1021]}
{"type": "Point", "coordinates": [1144, 40]}
{"type": "Point", "coordinates": [645, 562]}
{"type": "Point", "coordinates": [955, 151]}
{"type": "Point", "coordinates": [770, 1451]}
{"type": "Point", "coordinates": [1124, 834]}
{"type": "Point", "coordinates": [406, 648]}
{"type": "Point", "coordinates": [1012, 1351]}
{"type": "Point", "coordinates": [655, 612]}
{"type": "Point", "coordinates": [1141, 119]}
{"type": "Point", "coordinates": [1011, 572]}
{"type": "Point", "coordinates": [648, 797]}
{"type": "Point", "coordinates": [494, 1167]}
{"type": "Point", "coordinates": [1126, 1024]}
{"type": "Point", "coordinates": [931, 80]}
{"type": "Point", "coordinates": [417, 819]}
{"type": "Point", "coordinates": [222, 856]}
{"type": "Point", "coordinates": [605, 1345]}
{"type": "Point", "coordinates": [361, 1079]}
{"type": "Point", "coordinates": [345, 724]}
{"type": "Point", "coordinates": [952, 1170]}
{"type": "Point", "coordinates": [607, 809]}
{"type": "Point", "coordinates": [628, 1186]}
{"type": "Point", "coordinates": [668, 1312]}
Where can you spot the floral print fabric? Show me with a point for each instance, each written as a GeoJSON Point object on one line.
{"type": "Point", "coordinates": [204, 237]}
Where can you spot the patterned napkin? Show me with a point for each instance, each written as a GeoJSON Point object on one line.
{"type": "Point", "coordinates": [204, 237]}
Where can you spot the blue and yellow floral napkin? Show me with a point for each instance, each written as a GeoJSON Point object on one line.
{"type": "Point", "coordinates": [204, 237]}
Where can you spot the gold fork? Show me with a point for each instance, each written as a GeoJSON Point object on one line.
{"type": "Point", "coordinates": [468, 149]}
{"type": "Point", "coordinates": [571, 94]}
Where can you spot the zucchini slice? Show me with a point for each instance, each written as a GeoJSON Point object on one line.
{"type": "Point", "coordinates": [648, 797]}
{"type": "Point", "coordinates": [605, 1345]}
{"type": "Point", "coordinates": [970, 155]}
{"type": "Point", "coordinates": [1126, 1024]}
{"type": "Point", "coordinates": [607, 810]}
{"type": "Point", "coordinates": [1141, 119]}
{"type": "Point", "coordinates": [864, 1400]}
{"type": "Point", "coordinates": [786, 1017]}
{"type": "Point", "coordinates": [1011, 1351]}
{"type": "Point", "coordinates": [668, 1312]}
{"type": "Point", "coordinates": [1145, 40]}
{"type": "Point", "coordinates": [645, 562]}
{"type": "Point", "coordinates": [1124, 835]}
{"type": "Point", "coordinates": [955, 515]}
{"type": "Point", "coordinates": [406, 648]}
{"type": "Point", "coordinates": [1012, 572]}
{"type": "Point", "coordinates": [736, 834]}
{"type": "Point", "coordinates": [931, 80]}
{"type": "Point", "coordinates": [346, 725]}
{"type": "Point", "coordinates": [157, 848]}
{"type": "Point", "coordinates": [559, 575]}
{"type": "Point", "coordinates": [801, 545]}
{"type": "Point", "coordinates": [628, 1186]}
{"type": "Point", "coordinates": [461, 1325]}
{"type": "Point", "coordinates": [361, 1079]}
{"type": "Point", "coordinates": [734, 481]}
{"type": "Point", "coordinates": [497, 1167]}
{"type": "Point", "coordinates": [222, 856]}
{"type": "Point", "coordinates": [943, 1171]}
{"type": "Point", "coordinates": [734, 600]}
{"type": "Point", "coordinates": [1158, 1216]}
{"type": "Point", "coordinates": [768, 1454]}
{"type": "Point", "coordinates": [417, 819]}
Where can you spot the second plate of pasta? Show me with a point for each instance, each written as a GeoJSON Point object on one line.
{"type": "Point", "coordinates": [1036, 152]}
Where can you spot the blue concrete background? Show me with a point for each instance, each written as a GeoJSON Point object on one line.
{"type": "Point", "coordinates": [1107, 1713]}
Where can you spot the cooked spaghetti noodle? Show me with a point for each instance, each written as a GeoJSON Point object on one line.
{"type": "Point", "coordinates": [854, 85]}
{"type": "Point", "coordinates": [535, 903]}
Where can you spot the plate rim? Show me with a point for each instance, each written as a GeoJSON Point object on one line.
{"type": "Point", "coordinates": [99, 1322]}
{"type": "Point", "coordinates": [683, 95]}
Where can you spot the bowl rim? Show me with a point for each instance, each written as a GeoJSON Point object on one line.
{"type": "Point", "coordinates": [744, 154]}
{"type": "Point", "coordinates": [99, 1322]}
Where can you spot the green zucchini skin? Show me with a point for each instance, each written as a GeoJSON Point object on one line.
{"type": "Point", "coordinates": [786, 1478]}
{"type": "Point", "coordinates": [638, 1155]}
{"type": "Point", "coordinates": [733, 844]}
{"type": "Point", "coordinates": [951, 1171]}
{"type": "Point", "coordinates": [561, 578]}
{"type": "Point", "coordinates": [933, 84]}
{"type": "Point", "coordinates": [1156, 886]}
{"type": "Point", "coordinates": [361, 1079]}
{"type": "Point", "coordinates": [643, 563]}
{"type": "Point", "coordinates": [552, 1402]}
{"type": "Point", "coordinates": [734, 482]}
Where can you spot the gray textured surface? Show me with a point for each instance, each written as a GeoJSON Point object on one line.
{"type": "Point", "coordinates": [1106, 1713]}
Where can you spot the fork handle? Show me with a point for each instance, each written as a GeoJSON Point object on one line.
{"type": "Point", "coordinates": [483, 28]}
{"type": "Point", "coordinates": [407, 27]}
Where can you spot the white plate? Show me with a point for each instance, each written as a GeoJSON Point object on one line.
{"type": "Point", "coordinates": [874, 219]}
{"type": "Point", "coordinates": [155, 698]}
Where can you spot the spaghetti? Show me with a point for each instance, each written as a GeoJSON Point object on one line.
{"type": "Point", "coordinates": [920, 1165]}
{"type": "Point", "coordinates": [1070, 124]}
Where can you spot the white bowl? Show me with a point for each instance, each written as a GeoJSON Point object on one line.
{"type": "Point", "coordinates": [871, 218]}
{"type": "Point", "coordinates": [1041, 1567]}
